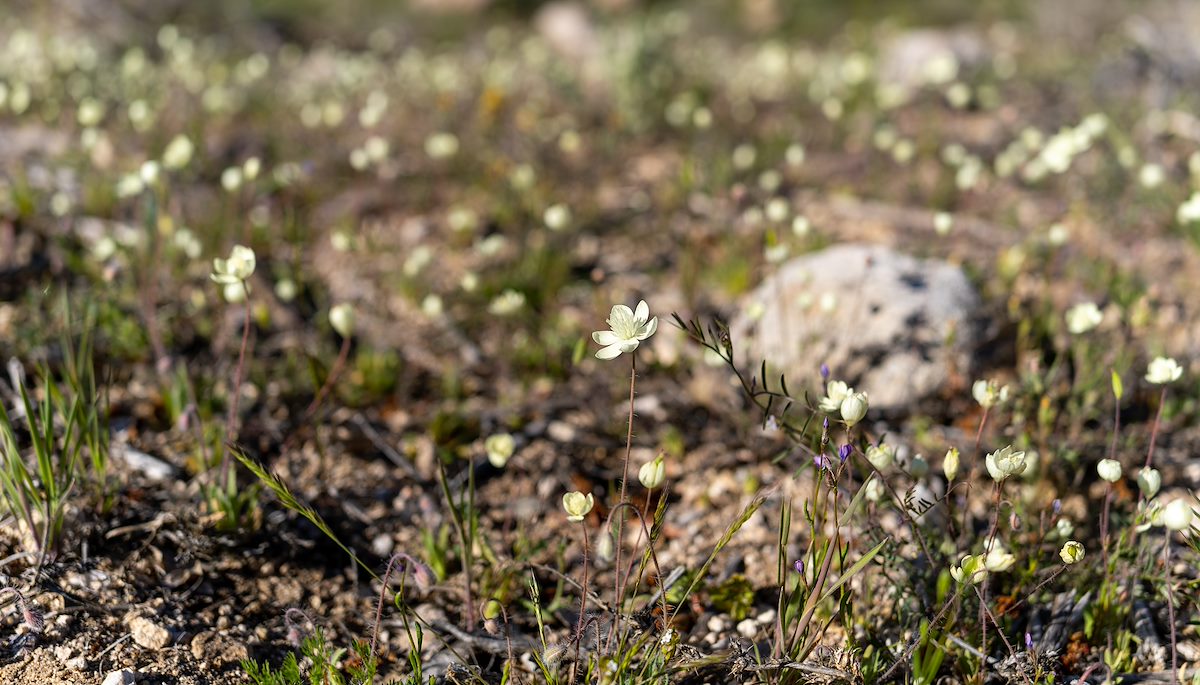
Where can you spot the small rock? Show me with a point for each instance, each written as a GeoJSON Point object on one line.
{"type": "Point", "coordinates": [766, 618]}
{"type": "Point", "coordinates": [77, 663]}
{"type": "Point", "coordinates": [747, 628]}
{"type": "Point", "coordinates": [122, 677]}
{"type": "Point", "coordinates": [149, 634]}
{"type": "Point", "coordinates": [561, 431]}
{"type": "Point", "coordinates": [897, 327]}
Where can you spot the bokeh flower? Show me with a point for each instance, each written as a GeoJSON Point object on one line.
{"type": "Point", "coordinates": [1163, 370]}
{"type": "Point", "coordinates": [1109, 470]}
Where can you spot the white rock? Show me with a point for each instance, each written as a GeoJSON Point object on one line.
{"type": "Point", "coordinates": [880, 320]}
{"type": "Point", "coordinates": [747, 628]}
{"type": "Point", "coordinates": [122, 677]}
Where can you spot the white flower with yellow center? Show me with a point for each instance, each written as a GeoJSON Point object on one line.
{"type": "Point", "coordinates": [1005, 462]}
{"type": "Point", "coordinates": [237, 268]}
{"type": "Point", "coordinates": [627, 329]}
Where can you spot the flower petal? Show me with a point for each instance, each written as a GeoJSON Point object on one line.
{"type": "Point", "coordinates": [605, 337]}
{"type": "Point", "coordinates": [611, 352]}
{"type": "Point", "coordinates": [629, 345]}
{"type": "Point", "coordinates": [650, 329]}
{"type": "Point", "coordinates": [643, 311]}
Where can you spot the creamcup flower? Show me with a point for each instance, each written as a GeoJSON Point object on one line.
{"type": "Point", "coordinates": [854, 408]}
{"type": "Point", "coordinates": [499, 448]}
{"type": "Point", "coordinates": [1163, 370]}
{"type": "Point", "coordinates": [1149, 481]}
{"type": "Point", "coordinates": [341, 317]}
{"type": "Point", "coordinates": [1083, 317]}
{"type": "Point", "coordinates": [627, 329]}
{"type": "Point", "coordinates": [237, 268]}
{"type": "Point", "coordinates": [988, 393]}
{"type": "Point", "coordinates": [1071, 552]}
{"type": "Point", "coordinates": [835, 392]}
{"type": "Point", "coordinates": [1109, 470]}
{"type": "Point", "coordinates": [652, 473]}
{"type": "Point", "coordinates": [1178, 515]}
{"type": "Point", "coordinates": [1005, 462]}
{"type": "Point", "coordinates": [577, 505]}
{"type": "Point", "coordinates": [970, 569]}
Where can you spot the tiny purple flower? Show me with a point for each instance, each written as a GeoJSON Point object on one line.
{"type": "Point", "coordinates": [799, 566]}
{"type": "Point", "coordinates": [821, 461]}
{"type": "Point", "coordinates": [844, 452]}
{"type": "Point", "coordinates": [1057, 507]}
{"type": "Point", "coordinates": [825, 371]}
{"type": "Point", "coordinates": [1028, 642]}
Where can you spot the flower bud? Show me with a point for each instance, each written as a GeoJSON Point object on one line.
{"type": "Point", "coordinates": [1071, 552]}
{"type": "Point", "coordinates": [881, 456]}
{"type": "Point", "coordinates": [577, 505]}
{"type": "Point", "coordinates": [652, 473]}
{"type": "Point", "coordinates": [341, 317]}
{"type": "Point", "coordinates": [1178, 515]}
{"type": "Point", "coordinates": [1149, 481]}
{"type": "Point", "coordinates": [499, 449]}
{"type": "Point", "coordinates": [950, 464]}
{"type": "Point", "coordinates": [1109, 470]}
{"type": "Point", "coordinates": [854, 408]}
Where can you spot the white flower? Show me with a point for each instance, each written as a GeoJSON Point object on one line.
{"type": "Point", "coordinates": [441, 145]}
{"type": "Point", "coordinates": [1178, 515]}
{"type": "Point", "coordinates": [627, 329]}
{"type": "Point", "coordinates": [1071, 552]}
{"type": "Point", "coordinates": [499, 449]}
{"type": "Point", "coordinates": [881, 456]}
{"type": "Point", "coordinates": [557, 217]}
{"type": "Point", "coordinates": [577, 505]}
{"type": "Point", "coordinates": [854, 408]}
{"type": "Point", "coordinates": [1083, 317]}
{"type": "Point", "coordinates": [231, 179]}
{"type": "Point", "coordinates": [507, 302]}
{"type": "Point", "coordinates": [236, 269]}
{"type": "Point", "coordinates": [1064, 528]}
{"type": "Point", "coordinates": [998, 560]}
{"type": "Point", "coordinates": [178, 152]}
{"type": "Point", "coordinates": [1149, 481]}
{"type": "Point", "coordinates": [1163, 370]}
{"type": "Point", "coordinates": [1109, 470]}
{"type": "Point", "coordinates": [875, 490]}
{"type": "Point", "coordinates": [950, 464]}
{"type": "Point", "coordinates": [970, 569]}
{"type": "Point", "coordinates": [835, 392]}
{"type": "Point", "coordinates": [1005, 462]}
{"type": "Point", "coordinates": [652, 473]}
{"type": "Point", "coordinates": [988, 393]}
{"type": "Point", "coordinates": [341, 317]}
{"type": "Point", "coordinates": [942, 223]}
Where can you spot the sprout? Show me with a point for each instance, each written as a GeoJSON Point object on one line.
{"type": "Point", "coordinates": [1071, 552]}
{"type": "Point", "coordinates": [1109, 470]}
{"type": "Point", "coordinates": [627, 329]}
{"type": "Point", "coordinates": [1163, 370]}
{"type": "Point", "coordinates": [577, 505]}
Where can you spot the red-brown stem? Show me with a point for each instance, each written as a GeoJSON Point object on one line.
{"type": "Point", "coordinates": [983, 608]}
{"type": "Point", "coordinates": [618, 585]}
{"type": "Point", "coordinates": [1108, 490]}
{"type": "Point", "coordinates": [582, 604]}
{"type": "Point", "coordinates": [1162, 399]}
{"type": "Point", "coordinates": [1170, 604]}
{"type": "Point", "coordinates": [338, 366]}
{"type": "Point", "coordinates": [231, 428]}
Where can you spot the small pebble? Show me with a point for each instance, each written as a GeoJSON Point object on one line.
{"type": "Point", "coordinates": [766, 618]}
{"type": "Point", "coordinates": [122, 677]}
{"type": "Point", "coordinates": [149, 634]}
{"type": "Point", "coordinates": [747, 628]}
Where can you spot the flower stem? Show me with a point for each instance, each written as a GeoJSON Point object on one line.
{"type": "Point", "coordinates": [1170, 603]}
{"type": "Point", "coordinates": [582, 605]}
{"type": "Point", "coordinates": [338, 366]}
{"type": "Point", "coordinates": [618, 583]}
{"type": "Point", "coordinates": [1162, 399]}
{"type": "Point", "coordinates": [231, 427]}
